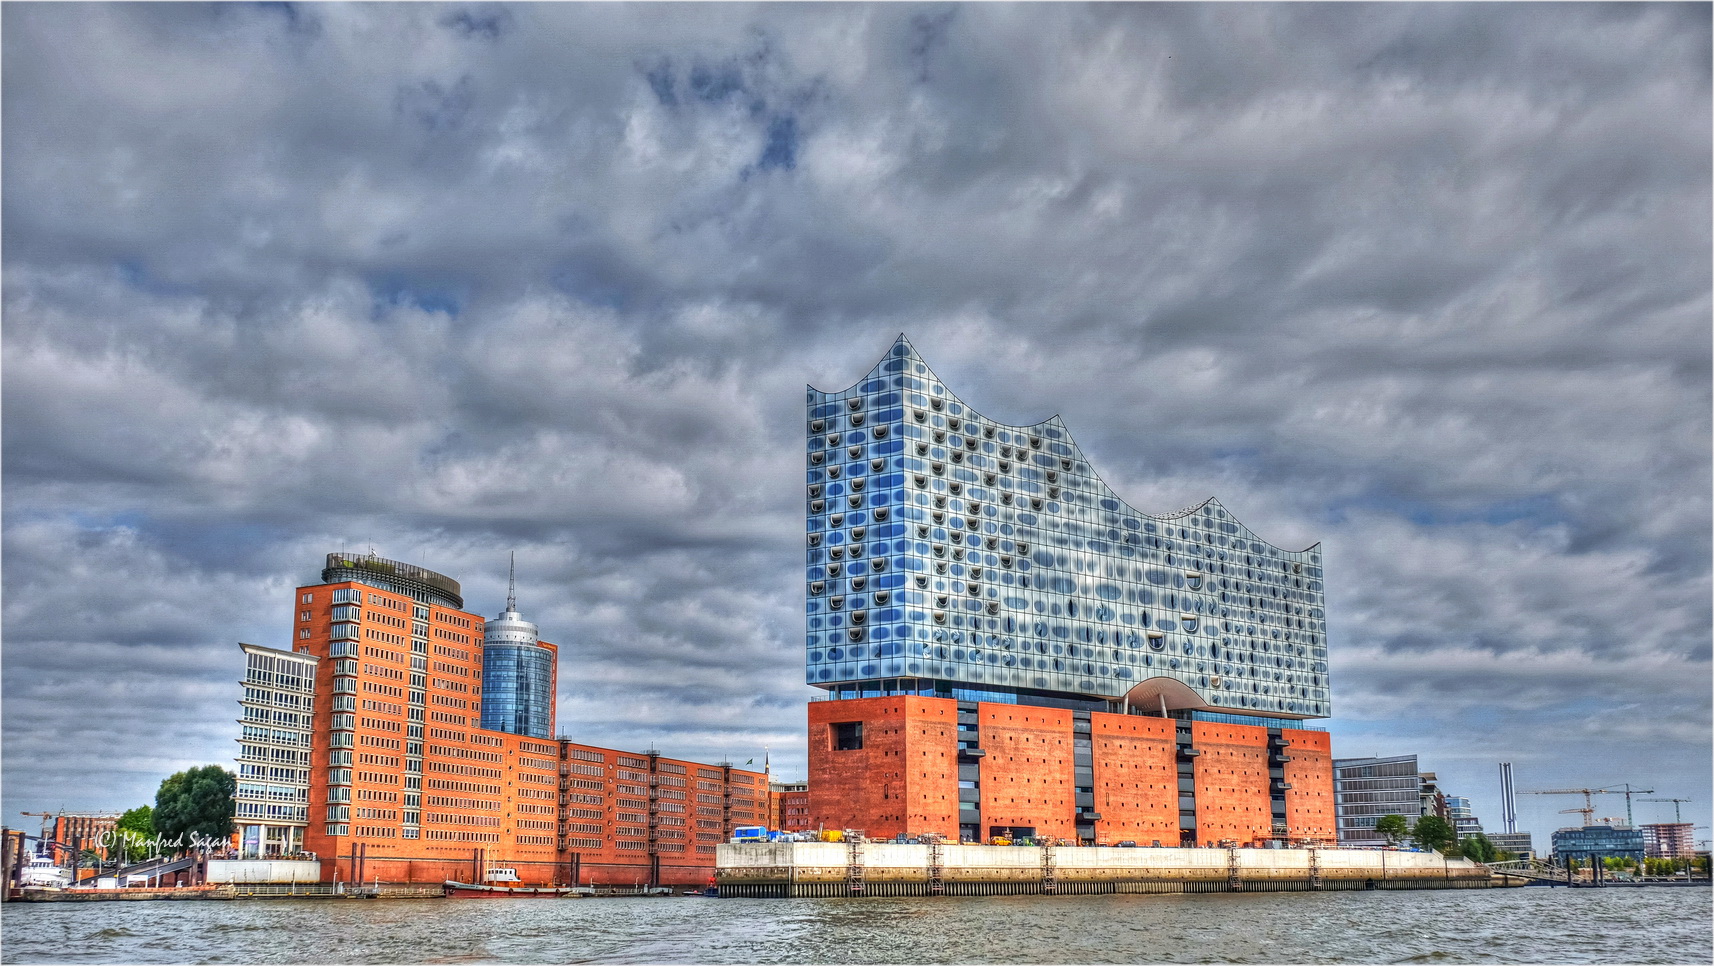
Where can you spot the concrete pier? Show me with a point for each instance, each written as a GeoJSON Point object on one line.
{"type": "Point", "coordinates": [827, 869]}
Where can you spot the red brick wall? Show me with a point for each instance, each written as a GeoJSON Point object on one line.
{"type": "Point", "coordinates": [1027, 772]}
{"type": "Point", "coordinates": [1136, 779]}
{"type": "Point", "coordinates": [1309, 801]}
{"type": "Point", "coordinates": [795, 811]}
{"type": "Point", "coordinates": [606, 817]}
{"type": "Point", "coordinates": [903, 779]}
{"type": "Point", "coordinates": [1231, 782]}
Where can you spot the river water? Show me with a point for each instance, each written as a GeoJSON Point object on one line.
{"type": "Point", "coordinates": [1529, 925]}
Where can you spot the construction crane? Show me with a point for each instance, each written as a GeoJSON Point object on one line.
{"type": "Point", "coordinates": [47, 819]}
{"type": "Point", "coordinates": [1676, 816]}
{"type": "Point", "coordinates": [1628, 792]}
{"type": "Point", "coordinates": [1588, 809]}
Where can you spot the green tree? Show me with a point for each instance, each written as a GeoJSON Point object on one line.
{"type": "Point", "coordinates": [1477, 848]}
{"type": "Point", "coordinates": [133, 831]}
{"type": "Point", "coordinates": [1434, 833]}
{"type": "Point", "coordinates": [196, 803]}
{"type": "Point", "coordinates": [1393, 828]}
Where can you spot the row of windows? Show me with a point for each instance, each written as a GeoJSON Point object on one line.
{"type": "Point", "coordinates": [447, 751]}
{"type": "Point", "coordinates": [278, 699]}
{"type": "Point", "coordinates": [453, 619]}
{"type": "Point", "coordinates": [453, 785]}
{"type": "Point", "coordinates": [467, 770]}
{"type": "Point", "coordinates": [461, 835]}
{"type": "Point", "coordinates": [287, 719]}
{"type": "Point", "coordinates": [460, 818]}
{"type": "Point", "coordinates": [280, 671]}
{"type": "Point", "coordinates": [271, 810]}
{"type": "Point", "coordinates": [472, 804]}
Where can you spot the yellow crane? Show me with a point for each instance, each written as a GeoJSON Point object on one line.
{"type": "Point", "coordinates": [1588, 809]}
{"type": "Point", "coordinates": [47, 819]}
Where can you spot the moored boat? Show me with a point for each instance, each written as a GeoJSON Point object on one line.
{"type": "Point", "coordinates": [42, 873]}
{"type": "Point", "coordinates": [505, 884]}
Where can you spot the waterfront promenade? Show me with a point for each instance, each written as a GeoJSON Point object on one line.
{"type": "Point", "coordinates": [828, 869]}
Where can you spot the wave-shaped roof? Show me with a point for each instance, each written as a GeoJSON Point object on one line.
{"type": "Point", "coordinates": [904, 356]}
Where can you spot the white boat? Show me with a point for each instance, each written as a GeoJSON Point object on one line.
{"type": "Point", "coordinates": [43, 873]}
{"type": "Point", "coordinates": [505, 884]}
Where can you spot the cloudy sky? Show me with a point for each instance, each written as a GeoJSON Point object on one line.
{"type": "Point", "coordinates": [1427, 284]}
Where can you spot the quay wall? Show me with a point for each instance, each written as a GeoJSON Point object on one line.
{"type": "Point", "coordinates": [887, 868]}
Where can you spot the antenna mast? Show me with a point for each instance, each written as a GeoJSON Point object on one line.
{"type": "Point", "coordinates": [512, 583]}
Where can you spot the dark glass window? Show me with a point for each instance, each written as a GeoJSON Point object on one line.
{"type": "Point", "coordinates": [847, 735]}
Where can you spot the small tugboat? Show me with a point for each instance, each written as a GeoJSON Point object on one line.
{"type": "Point", "coordinates": [504, 884]}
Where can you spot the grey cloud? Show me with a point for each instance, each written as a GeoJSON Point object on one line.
{"type": "Point", "coordinates": [1425, 283]}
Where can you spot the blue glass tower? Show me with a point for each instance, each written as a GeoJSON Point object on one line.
{"type": "Point", "coordinates": [952, 554]}
{"type": "Point", "coordinates": [517, 675]}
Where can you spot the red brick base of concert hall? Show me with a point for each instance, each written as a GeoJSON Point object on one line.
{"type": "Point", "coordinates": [912, 765]}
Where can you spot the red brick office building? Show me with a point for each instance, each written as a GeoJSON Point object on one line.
{"type": "Point", "coordinates": [365, 746]}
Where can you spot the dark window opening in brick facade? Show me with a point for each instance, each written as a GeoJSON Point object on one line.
{"type": "Point", "coordinates": [847, 735]}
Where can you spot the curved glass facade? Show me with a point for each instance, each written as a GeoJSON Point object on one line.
{"type": "Point", "coordinates": [517, 678]}
{"type": "Point", "coordinates": [946, 547]}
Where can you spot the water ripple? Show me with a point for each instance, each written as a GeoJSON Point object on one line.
{"type": "Point", "coordinates": [1533, 925]}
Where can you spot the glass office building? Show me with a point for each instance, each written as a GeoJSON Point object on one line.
{"type": "Point", "coordinates": [1600, 841]}
{"type": "Point", "coordinates": [1365, 789]}
{"type": "Point", "coordinates": [517, 677]}
{"type": "Point", "coordinates": [952, 554]}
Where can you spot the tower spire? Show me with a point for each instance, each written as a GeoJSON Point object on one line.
{"type": "Point", "coordinates": [512, 583]}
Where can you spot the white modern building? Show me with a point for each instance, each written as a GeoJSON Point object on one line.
{"type": "Point", "coordinates": [274, 750]}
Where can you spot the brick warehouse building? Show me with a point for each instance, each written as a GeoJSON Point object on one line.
{"type": "Point", "coordinates": [364, 745]}
{"type": "Point", "coordinates": [1010, 649]}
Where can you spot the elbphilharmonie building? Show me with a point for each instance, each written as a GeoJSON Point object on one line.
{"type": "Point", "coordinates": [954, 558]}
{"type": "Point", "coordinates": [948, 552]}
